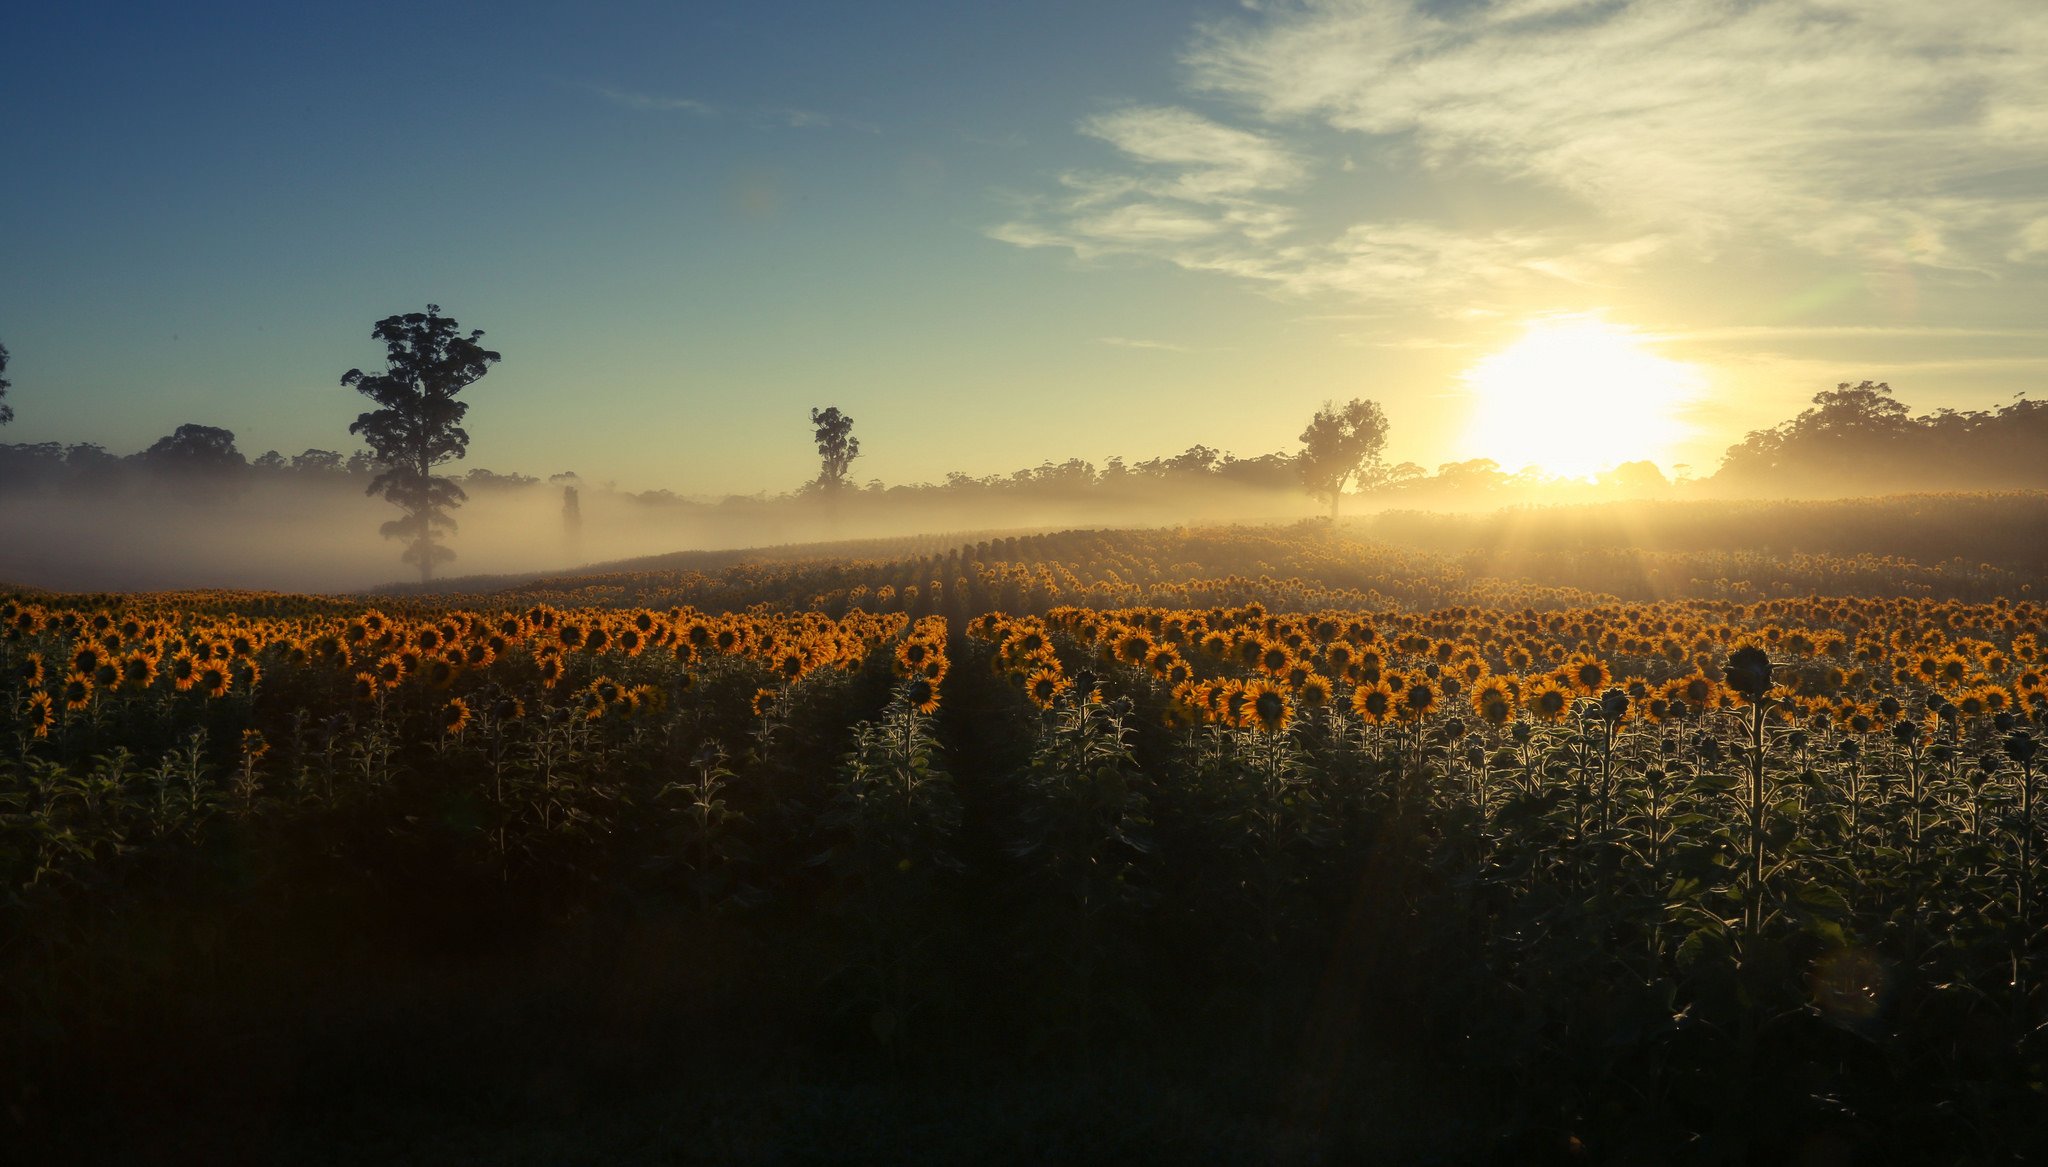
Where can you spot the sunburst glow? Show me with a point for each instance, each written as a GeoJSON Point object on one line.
{"type": "Point", "coordinates": [1577, 395]}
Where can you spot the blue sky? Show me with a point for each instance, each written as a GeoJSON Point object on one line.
{"type": "Point", "coordinates": [998, 234]}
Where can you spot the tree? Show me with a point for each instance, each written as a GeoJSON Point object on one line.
{"type": "Point", "coordinates": [419, 424]}
{"type": "Point", "coordinates": [196, 450]}
{"type": "Point", "coordinates": [1342, 443]}
{"type": "Point", "coordinates": [837, 447]}
{"type": "Point", "coordinates": [1853, 434]}
{"type": "Point", "coordinates": [6, 410]}
{"type": "Point", "coordinates": [318, 462]}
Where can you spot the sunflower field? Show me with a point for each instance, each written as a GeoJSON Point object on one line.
{"type": "Point", "coordinates": [1558, 876]}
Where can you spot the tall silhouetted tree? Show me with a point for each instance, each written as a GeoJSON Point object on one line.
{"type": "Point", "coordinates": [1341, 443]}
{"type": "Point", "coordinates": [6, 410]}
{"type": "Point", "coordinates": [837, 447]}
{"type": "Point", "coordinates": [419, 424]}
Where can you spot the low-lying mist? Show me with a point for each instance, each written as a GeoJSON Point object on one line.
{"type": "Point", "coordinates": [324, 537]}
{"type": "Point", "coordinates": [321, 534]}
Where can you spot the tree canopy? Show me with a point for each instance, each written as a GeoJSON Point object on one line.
{"type": "Point", "coordinates": [1341, 443]}
{"type": "Point", "coordinates": [418, 424]}
{"type": "Point", "coordinates": [837, 447]}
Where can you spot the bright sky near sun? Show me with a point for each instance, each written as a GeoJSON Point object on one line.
{"type": "Point", "coordinates": [1542, 231]}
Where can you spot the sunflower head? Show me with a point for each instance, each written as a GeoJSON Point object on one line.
{"type": "Point", "coordinates": [1044, 686]}
{"type": "Point", "coordinates": [1749, 674]}
{"type": "Point", "coordinates": [41, 712]}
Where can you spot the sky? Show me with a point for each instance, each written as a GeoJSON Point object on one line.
{"type": "Point", "coordinates": [998, 235]}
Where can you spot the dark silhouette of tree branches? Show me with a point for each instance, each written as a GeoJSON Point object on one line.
{"type": "Point", "coordinates": [419, 424]}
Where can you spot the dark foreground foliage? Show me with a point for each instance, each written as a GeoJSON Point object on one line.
{"type": "Point", "coordinates": [1664, 883]}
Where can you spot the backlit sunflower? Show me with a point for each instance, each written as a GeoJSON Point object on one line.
{"type": "Point", "coordinates": [1373, 702]}
{"type": "Point", "coordinates": [213, 679]}
{"type": "Point", "coordinates": [1493, 701]}
{"type": "Point", "coordinates": [1418, 697]}
{"type": "Point", "coordinates": [77, 691]}
{"type": "Point", "coordinates": [137, 671]}
{"type": "Point", "coordinates": [41, 713]}
{"type": "Point", "coordinates": [1044, 686]}
{"type": "Point", "coordinates": [1547, 700]}
{"type": "Point", "coordinates": [1266, 706]}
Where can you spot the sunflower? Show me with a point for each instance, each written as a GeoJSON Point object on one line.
{"type": "Point", "coordinates": [213, 679]}
{"type": "Point", "coordinates": [1133, 648]}
{"type": "Point", "coordinates": [1373, 702]}
{"type": "Point", "coordinates": [1314, 690]}
{"type": "Point", "coordinates": [1493, 701]}
{"type": "Point", "coordinates": [77, 691]}
{"type": "Point", "coordinates": [455, 717]}
{"type": "Point", "coordinates": [1547, 700]}
{"type": "Point", "coordinates": [390, 670]}
{"type": "Point", "coordinates": [1044, 686]}
{"type": "Point", "coordinates": [1028, 642]}
{"type": "Point", "coordinates": [922, 695]}
{"type": "Point", "coordinates": [439, 672]}
{"type": "Point", "coordinates": [87, 660]}
{"type": "Point", "coordinates": [1276, 659]}
{"type": "Point", "coordinates": [30, 671]}
{"type": "Point", "coordinates": [138, 671]}
{"type": "Point", "coordinates": [1417, 698]}
{"type": "Point", "coordinates": [1585, 674]}
{"type": "Point", "coordinates": [1749, 673]}
{"type": "Point", "coordinates": [364, 686]}
{"type": "Point", "coordinates": [1266, 706]}
{"type": "Point", "coordinates": [42, 713]}
{"type": "Point", "coordinates": [254, 746]}
{"type": "Point", "coordinates": [1698, 691]}
{"type": "Point", "coordinates": [550, 669]}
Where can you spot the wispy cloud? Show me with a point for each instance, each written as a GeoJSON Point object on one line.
{"type": "Point", "coordinates": [703, 109]}
{"type": "Point", "coordinates": [763, 117]}
{"type": "Point", "coordinates": [1749, 332]}
{"type": "Point", "coordinates": [1883, 133]}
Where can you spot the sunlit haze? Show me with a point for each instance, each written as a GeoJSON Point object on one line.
{"type": "Point", "coordinates": [1576, 396]}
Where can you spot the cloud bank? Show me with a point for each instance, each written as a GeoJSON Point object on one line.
{"type": "Point", "coordinates": [1883, 133]}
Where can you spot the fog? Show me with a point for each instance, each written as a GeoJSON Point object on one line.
{"type": "Point", "coordinates": [323, 537]}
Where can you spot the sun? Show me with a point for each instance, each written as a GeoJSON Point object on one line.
{"type": "Point", "coordinates": [1577, 395]}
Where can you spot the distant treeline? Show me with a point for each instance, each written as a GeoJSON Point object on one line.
{"type": "Point", "coordinates": [202, 459]}
{"type": "Point", "coordinates": [1860, 439]}
{"type": "Point", "coordinates": [1855, 439]}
